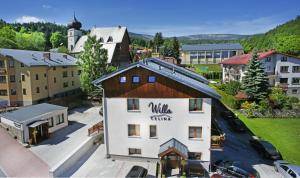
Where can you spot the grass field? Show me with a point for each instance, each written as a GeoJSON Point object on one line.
{"type": "Point", "coordinates": [284, 134]}
{"type": "Point", "coordinates": [204, 68]}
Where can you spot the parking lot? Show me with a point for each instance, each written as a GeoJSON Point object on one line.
{"type": "Point", "coordinates": [237, 148]}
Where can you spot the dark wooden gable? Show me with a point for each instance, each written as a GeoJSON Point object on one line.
{"type": "Point", "coordinates": [162, 88]}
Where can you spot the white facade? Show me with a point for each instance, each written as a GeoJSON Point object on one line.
{"type": "Point", "coordinates": [273, 66]}
{"type": "Point", "coordinates": [117, 118]}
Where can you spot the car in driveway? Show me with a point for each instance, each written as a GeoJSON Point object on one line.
{"type": "Point", "coordinates": [137, 172]}
{"type": "Point", "coordinates": [286, 169]}
{"type": "Point", "coordinates": [236, 125]}
{"type": "Point", "coordinates": [266, 149]}
{"type": "Point", "coordinates": [235, 169]}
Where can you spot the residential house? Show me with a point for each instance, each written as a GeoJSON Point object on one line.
{"type": "Point", "coordinates": [114, 39]}
{"type": "Point", "coordinates": [209, 53]}
{"type": "Point", "coordinates": [30, 77]}
{"type": "Point", "coordinates": [154, 109]}
{"type": "Point", "coordinates": [282, 70]}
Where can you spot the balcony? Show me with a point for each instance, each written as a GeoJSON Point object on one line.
{"type": "Point", "coordinates": [217, 136]}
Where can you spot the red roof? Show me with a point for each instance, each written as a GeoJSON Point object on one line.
{"type": "Point", "coordinates": [244, 59]}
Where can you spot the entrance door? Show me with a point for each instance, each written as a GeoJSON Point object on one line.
{"type": "Point", "coordinates": [38, 133]}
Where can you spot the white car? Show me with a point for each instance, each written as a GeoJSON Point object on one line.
{"type": "Point", "coordinates": [286, 169]}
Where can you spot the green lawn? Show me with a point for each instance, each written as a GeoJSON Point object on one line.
{"type": "Point", "coordinates": [204, 68]}
{"type": "Point", "coordinates": [284, 134]}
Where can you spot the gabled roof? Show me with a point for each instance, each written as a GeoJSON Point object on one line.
{"type": "Point", "coordinates": [173, 145]}
{"type": "Point", "coordinates": [30, 112]}
{"type": "Point", "coordinates": [203, 47]}
{"type": "Point", "coordinates": [171, 71]}
{"type": "Point", "coordinates": [36, 58]}
{"type": "Point", "coordinates": [116, 35]}
{"type": "Point", "coordinates": [244, 59]}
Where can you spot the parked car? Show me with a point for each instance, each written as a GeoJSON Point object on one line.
{"type": "Point", "coordinates": [286, 169]}
{"type": "Point", "coordinates": [236, 125]}
{"type": "Point", "coordinates": [265, 148]}
{"type": "Point", "coordinates": [137, 172]}
{"type": "Point", "coordinates": [232, 168]}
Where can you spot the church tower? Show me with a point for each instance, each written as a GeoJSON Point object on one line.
{"type": "Point", "coordinates": [74, 33]}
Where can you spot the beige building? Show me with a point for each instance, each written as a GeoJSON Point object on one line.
{"type": "Point", "coordinates": [30, 77]}
{"type": "Point", "coordinates": [209, 53]}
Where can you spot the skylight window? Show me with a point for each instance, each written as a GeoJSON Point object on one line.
{"type": "Point", "coordinates": [110, 39]}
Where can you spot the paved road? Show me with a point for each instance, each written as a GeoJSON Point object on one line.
{"type": "Point", "coordinates": [237, 148]}
{"type": "Point", "coordinates": [17, 161]}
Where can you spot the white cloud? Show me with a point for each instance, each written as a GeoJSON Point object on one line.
{"type": "Point", "coordinates": [27, 19]}
{"type": "Point", "coordinates": [46, 6]}
{"type": "Point", "coordinates": [253, 26]}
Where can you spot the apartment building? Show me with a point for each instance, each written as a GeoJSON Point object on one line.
{"type": "Point", "coordinates": [157, 110]}
{"type": "Point", "coordinates": [30, 77]}
{"type": "Point", "coordinates": [209, 53]}
{"type": "Point", "coordinates": [282, 70]}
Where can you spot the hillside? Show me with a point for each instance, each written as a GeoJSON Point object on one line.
{"type": "Point", "coordinates": [284, 38]}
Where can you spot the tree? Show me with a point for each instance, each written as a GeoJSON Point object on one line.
{"type": "Point", "coordinates": [93, 63]}
{"type": "Point", "coordinates": [8, 32]}
{"type": "Point", "coordinates": [255, 82]}
{"type": "Point", "coordinates": [158, 41]}
{"type": "Point", "coordinates": [57, 39]}
{"type": "Point", "coordinates": [31, 41]}
{"type": "Point", "coordinates": [171, 48]}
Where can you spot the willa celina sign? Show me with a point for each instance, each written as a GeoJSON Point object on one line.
{"type": "Point", "coordinates": [161, 112]}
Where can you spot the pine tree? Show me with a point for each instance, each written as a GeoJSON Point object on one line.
{"type": "Point", "coordinates": [93, 64]}
{"type": "Point", "coordinates": [158, 41]}
{"type": "Point", "coordinates": [255, 82]}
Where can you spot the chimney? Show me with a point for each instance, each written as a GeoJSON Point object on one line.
{"type": "Point", "coordinates": [46, 55]}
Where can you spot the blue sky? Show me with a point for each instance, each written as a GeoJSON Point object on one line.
{"type": "Point", "coordinates": [171, 17]}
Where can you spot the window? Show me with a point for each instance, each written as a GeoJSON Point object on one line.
{"type": "Point", "coordinates": [123, 79]}
{"type": "Point", "coordinates": [296, 81]}
{"type": "Point", "coordinates": [151, 79]}
{"type": "Point", "coordinates": [194, 155]}
{"type": "Point", "coordinates": [22, 65]}
{"type": "Point", "coordinates": [284, 167]}
{"type": "Point", "coordinates": [12, 78]}
{"type": "Point", "coordinates": [296, 69]}
{"type": "Point", "coordinates": [224, 54]}
{"type": "Point", "coordinates": [13, 91]}
{"type": "Point", "coordinates": [24, 91]}
{"type": "Point", "coordinates": [72, 83]}
{"type": "Point", "coordinates": [60, 119]}
{"type": "Point", "coordinates": [201, 55]}
{"type": "Point", "coordinates": [79, 72]}
{"type": "Point", "coordinates": [133, 130]}
{"type": "Point", "coordinates": [65, 74]}
{"type": "Point", "coordinates": [292, 174]}
{"type": "Point", "coordinates": [208, 55]}
{"type": "Point", "coordinates": [284, 69]}
{"type": "Point", "coordinates": [72, 73]}
{"type": "Point", "coordinates": [232, 53]}
{"type": "Point", "coordinates": [50, 122]}
{"type": "Point", "coordinates": [11, 63]}
{"type": "Point", "coordinates": [23, 77]}
{"type": "Point", "coordinates": [195, 132]}
{"type": "Point", "coordinates": [283, 80]}
{"type": "Point", "coordinates": [101, 40]}
{"type": "Point", "coordinates": [110, 39]}
{"type": "Point", "coordinates": [195, 104]}
{"type": "Point", "coordinates": [2, 79]}
{"type": "Point", "coordinates": [133, 104]}
{"type": "Point", "coordinates": [64, 67]}
{"type": "Point", "coordinates": [294, 91]}
{"type": "Point", "coordinates": [283, 58]}
{"type": "Point", "coordinates": [37, 89]}
{"type": "Point", "coordinates": [134, 151]}
{"type": "Point", "coordinates": [45, 75]}
{"type": "Point", "coordinates": [54, 79]}
{"type": "Point", "coordinates": [2, 64]}
{"type": "Point", "coordinates": [135, 79]}
{"type": "Point", "coordinates": [36, 76]}
{"type": "Point", "coordinates": [65, 84]}
{"type": "Point", "coordinates": [46, 87]}
{"type": "Point", "coordinates": [3, 92]}
{"type": "Point", "coordinates": [153, 133]}
{"type": "Point", "coordinates": [217, 54]}
{"type": "Point", "coordinates": [193, 55]}
{"type": "Point", "coordinates": [54, 68]}
{"type": "Point", "coordinates": [268, 59]}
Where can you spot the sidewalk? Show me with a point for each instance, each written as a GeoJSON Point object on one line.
{"type": "Point", "coordinates": [17, 161]}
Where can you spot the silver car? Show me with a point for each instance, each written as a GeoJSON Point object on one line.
{"type": "Point", "coordinates": [286, 169]}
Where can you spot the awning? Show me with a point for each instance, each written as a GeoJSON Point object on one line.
{"type": "Point", "coordinates": [37, 123]}
{"type": "Point", "coordinates": [173, 145]}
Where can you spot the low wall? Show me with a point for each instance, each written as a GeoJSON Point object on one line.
{"type": "Point", "coordinates": [67, 165]}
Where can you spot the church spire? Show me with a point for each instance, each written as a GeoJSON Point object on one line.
{"type": "Point", "coordinates": [75, 23]}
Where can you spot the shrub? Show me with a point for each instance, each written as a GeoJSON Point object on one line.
{"type": "Point", "coordinates": [233, 87]}
{"type": "Point", "coordinates": [264, 106]}
{"type": "Point", "coordinates": [293, 99]}
{"type": "Point", "coordinates": [279, 98]}
{"type": "Point", "coordinates": [246, 105]}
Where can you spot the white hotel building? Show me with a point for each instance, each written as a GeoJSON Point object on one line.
{"type": "Point", "coordinates": [157, 110]}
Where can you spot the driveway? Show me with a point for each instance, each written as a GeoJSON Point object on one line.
{"type": "Point", "coordinates": [18, 161]}
{"type": "Point", "coordinates": [237, 148]}
{"type": "Point", "coordinates": [99, 166]}
{"type": "Point", "coordinates": [64, 141]}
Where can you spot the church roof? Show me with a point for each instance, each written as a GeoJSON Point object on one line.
{"type": "Point", "coordinates": [75, 24]}
{"type": "Point", "coordinates": [109, 37]}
